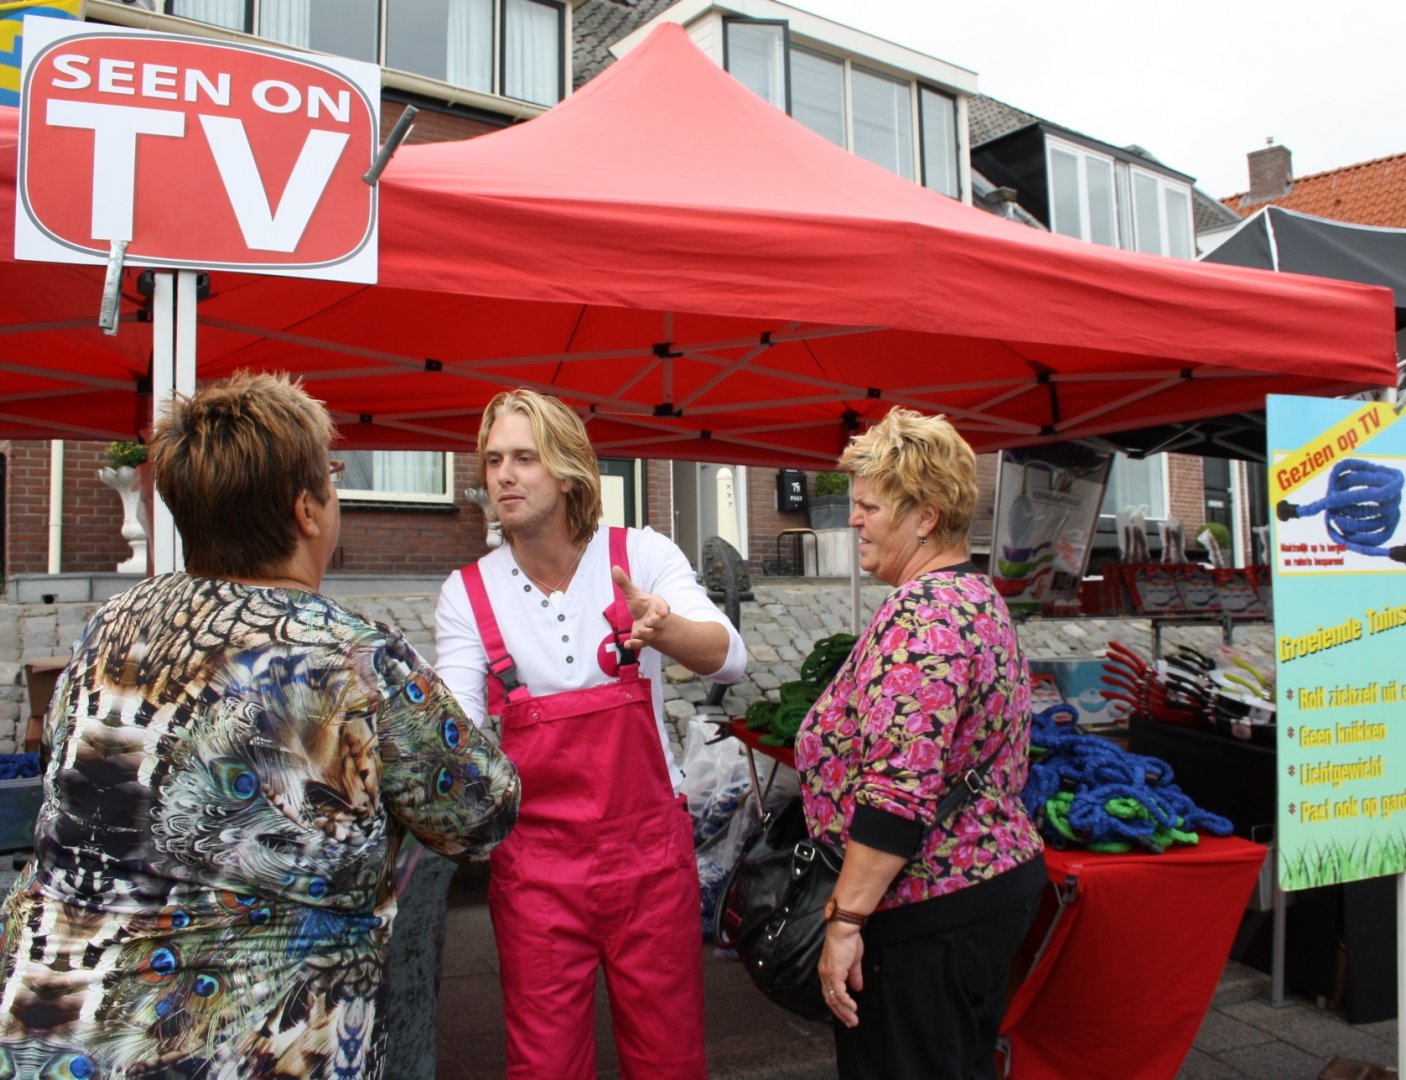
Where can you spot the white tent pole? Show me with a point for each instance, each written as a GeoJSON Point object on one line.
{"type": "Point", "coordinates": [163, 381]}
{"type": "Point", "coordinates": [185, 324]}
{"type": "Point", "coordinates": [855, 610]}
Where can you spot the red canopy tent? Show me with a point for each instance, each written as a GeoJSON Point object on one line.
{"type": "Point", "coordinates": [708, 280]}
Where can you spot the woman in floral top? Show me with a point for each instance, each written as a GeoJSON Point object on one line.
{"type": "Point", "coordinates": [927, 914]}
{"type": "Point", "coordinates": [233, 763]}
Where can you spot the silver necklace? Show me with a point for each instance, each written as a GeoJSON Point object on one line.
{"type": "Point", "coordinates": [555, 596]}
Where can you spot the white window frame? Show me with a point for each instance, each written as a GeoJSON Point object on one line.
{"type": "Point", "coordinates": [372, 495]}
{"type": "Point", "coordinates": [1082, 156]}
{"type": "Point", "coordinates": [1166, 187]}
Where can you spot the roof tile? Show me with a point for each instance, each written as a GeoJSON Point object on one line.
{"type": "Point", "coordinates": [1368, 193]}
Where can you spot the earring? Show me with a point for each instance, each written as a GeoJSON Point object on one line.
{"type": "Point", "coordinates": [922, 541]}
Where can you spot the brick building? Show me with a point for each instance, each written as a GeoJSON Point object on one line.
{"type": "Point", "coordinates": [407, 513]}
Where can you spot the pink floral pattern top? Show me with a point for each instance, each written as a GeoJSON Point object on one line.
{"type": "Point", "coordinates": [935, 683]}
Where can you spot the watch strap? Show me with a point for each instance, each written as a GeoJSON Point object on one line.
{"type": "Point", "coordinates": [835, 913]}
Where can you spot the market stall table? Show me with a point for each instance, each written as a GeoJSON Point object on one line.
{"type": "Point", "coordinates": [1130, 951]}
{"type": "Point", "coordinates": [1126, 953]}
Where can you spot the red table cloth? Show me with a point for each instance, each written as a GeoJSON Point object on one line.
{"type": "Point", "coordinates": [1132, 963]}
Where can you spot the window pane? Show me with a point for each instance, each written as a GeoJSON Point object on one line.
{"type": "Point", "coordinates": [532, 67]}
{"type": "Point", "coordinates": [939, 141]}
{"type": "Point", "coordinates": [1148, 217]}
{"type": "Point", "coordinates": [1178, 223]}
{"type": "Point", "coordinates": [1100, 177]}
{"type": "Point", "coordinates": [394, 472]}
{"type": "Point", "coordinates": [1133, 483]}
{"type": "Point", "coordinates": [227, 13]}
{"type": "Point", "coordinates": [449, 40]}
{"type": "Point", "coordinates": [342, 27]}
{"type": "Point", "coordinates": [1065, 201]}
{"type": "Point", "coordinates": [818, 94]}
{"type": "Point", "coordinates": [755, 58]}
{"type": "Point", "coordinates": [883, 121]}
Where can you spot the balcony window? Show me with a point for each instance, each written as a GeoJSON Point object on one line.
{"type": "Point", "coordinates": [883, 121]}
{"type": "Point", "coordinates": [449, 40]}
{"type": "Point", "coordinates": [508, 47]}
{"type": "Point", "coordinates": [818, 94]}
{"type": "Point", "coordinates": [938, 115]}
{"type": "Point", "coordinates": [1161, 215]}
{"type": "Point", "coordinates": [340, 27]}
{"type": "Point", "coordinates": [756, 57]}
{"type": "Point", "coordinates": [890, 120]}
{"type": "Point", "coordinates": [532, 51]}
{"type": "Point", "coordinates": [1081, 194]}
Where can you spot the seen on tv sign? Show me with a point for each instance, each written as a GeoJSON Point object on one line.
{"type": "Point", "coordinates": [200, 154]}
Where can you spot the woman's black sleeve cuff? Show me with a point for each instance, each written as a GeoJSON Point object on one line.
{"type": "Point", "coordinates": [886, 832]}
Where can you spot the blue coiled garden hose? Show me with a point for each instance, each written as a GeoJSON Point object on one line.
{"type": "Point", "coordinates": [1363, 507]}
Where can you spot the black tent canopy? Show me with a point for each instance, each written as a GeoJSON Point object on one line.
{"type": "Point", "coordinates": [1277, 239]}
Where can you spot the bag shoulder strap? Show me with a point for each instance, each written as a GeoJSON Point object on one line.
{"type": "Point", "coordinates": [968, 786]}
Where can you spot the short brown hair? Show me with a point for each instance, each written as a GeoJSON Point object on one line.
{"type": "Point", "coordinates": [907, 459]}
{"type": "Point", "coordinates": [564, 447]}
{"type": "Point", "coordinates": [230, 461]}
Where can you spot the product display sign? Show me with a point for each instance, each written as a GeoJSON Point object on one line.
{"type": "Point", "coordinates": [197, 154]}
{"type": "Point", "coordinates": [1339, 563]}
{"type": "Point", "coordinates": [1047, 503]}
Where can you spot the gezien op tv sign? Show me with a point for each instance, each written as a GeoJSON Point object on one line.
{"type": "Point", "coordinates": [200, 154]}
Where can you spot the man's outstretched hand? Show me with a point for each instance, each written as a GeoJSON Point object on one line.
{"type": "Point", "coordinates": [648, 611]}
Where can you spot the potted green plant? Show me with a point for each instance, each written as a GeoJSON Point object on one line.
{"type": "Point", "coordinates": [829, 502]}
{"type": "Point", "coordinates": [120, 473]}
{"type": "Point", "coordinates": [1216, 539]}
{"type": "Point", "coordinates": [129, 454]}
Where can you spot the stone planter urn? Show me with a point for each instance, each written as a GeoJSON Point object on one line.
{"type": "Point", "coordinates": [126, 481]}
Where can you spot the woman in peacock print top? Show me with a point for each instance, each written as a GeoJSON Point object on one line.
{"type": "Point", "coordinates": [233, 760]}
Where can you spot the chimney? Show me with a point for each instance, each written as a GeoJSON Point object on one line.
{"type": "Point", "coordinates": [1271, 173]}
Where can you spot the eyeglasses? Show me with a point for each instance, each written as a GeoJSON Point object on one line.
{"type": "Point", "coordinates": [336, 470]}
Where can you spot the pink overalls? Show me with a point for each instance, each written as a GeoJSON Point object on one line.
{"type": "Point", "coordinates": [599, 870]}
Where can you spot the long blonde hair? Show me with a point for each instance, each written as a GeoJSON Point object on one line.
{"type": "Point", "coordinates": [564, 448]}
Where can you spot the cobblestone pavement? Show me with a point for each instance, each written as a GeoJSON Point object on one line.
{"type": "Point", "coordinates": [780, 624]}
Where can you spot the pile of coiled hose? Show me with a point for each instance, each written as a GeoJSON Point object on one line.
{"type": "Point", "coordinates": [18, 766]}
{"type": "Point", "coordinates": [1086, 791]}
{"type": "Point", "coordinates": [778, 721]}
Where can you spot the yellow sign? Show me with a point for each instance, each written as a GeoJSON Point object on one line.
{"type": "Point", "coordinates": [1342, 440]}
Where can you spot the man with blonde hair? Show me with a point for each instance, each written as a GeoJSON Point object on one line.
{"type": "Point", "coordinates": [563, 628]}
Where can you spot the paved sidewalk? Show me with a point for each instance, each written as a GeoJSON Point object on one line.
{"type": "Point", "coordinates": [1242, 1037]}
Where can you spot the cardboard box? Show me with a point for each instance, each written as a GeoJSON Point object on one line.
{"type": "Point", "coordinates": [1080, 683]}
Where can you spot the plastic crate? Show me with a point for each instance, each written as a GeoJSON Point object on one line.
{"type": "Point", "coordinates": [19, 805]}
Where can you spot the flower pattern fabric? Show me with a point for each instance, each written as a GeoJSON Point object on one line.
{"type": "Point", "coordinates": [231, 772]}
{"type": "Point", "coordinates": [934, 685]}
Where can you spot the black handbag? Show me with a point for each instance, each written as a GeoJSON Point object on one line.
{"type": "Point", "coordinates": [771, 906]}
{"type": "Point", "coordinates": [770, 909]}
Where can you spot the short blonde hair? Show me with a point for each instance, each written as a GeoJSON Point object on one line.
{"type": "Point", "coordinates": [230, 461]}
{"type": "Point", "coordinates": [564, 448]}
{"type": "Point", "coordinates": [909, 459]}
